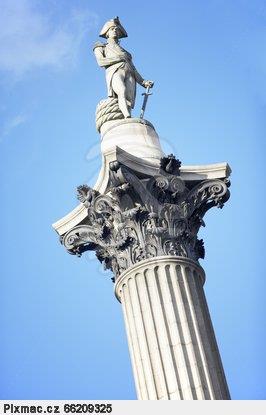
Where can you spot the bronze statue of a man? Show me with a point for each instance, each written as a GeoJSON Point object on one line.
{"type": "Point", "coordinates": [121, 74]}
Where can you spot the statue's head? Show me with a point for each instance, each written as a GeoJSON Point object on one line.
{"type": "Point", "coordinates": [113, 29]}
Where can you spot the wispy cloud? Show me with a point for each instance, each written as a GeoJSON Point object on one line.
{"type": "Point", "coordinates": [31, 38]}
{"type": "Point", "coordinates": [12, 123]}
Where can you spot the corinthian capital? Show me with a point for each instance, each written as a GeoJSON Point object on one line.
{"type": "Point", "coordinates": [142, 216]}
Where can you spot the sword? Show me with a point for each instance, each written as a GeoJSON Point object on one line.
{"type": "Point", "coordinates": [146, 96]}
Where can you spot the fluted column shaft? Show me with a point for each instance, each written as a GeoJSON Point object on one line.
{"type": "Point", "coordinates": [172, 344]}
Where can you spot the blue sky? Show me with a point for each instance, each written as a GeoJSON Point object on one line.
{"type": "Point", "coordinates": [62, 331]}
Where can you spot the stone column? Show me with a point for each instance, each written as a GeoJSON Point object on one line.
{"type": "Point", "coordinates": [172, 344]}
{"type": "Point", "coordinates": [142, 220]}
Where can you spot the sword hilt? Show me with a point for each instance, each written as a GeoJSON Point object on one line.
{"type": "Point", "coordinates": [147, 91]}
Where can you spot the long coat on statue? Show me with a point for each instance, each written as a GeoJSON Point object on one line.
{"type": "Point", "coordinates": [114, 58]}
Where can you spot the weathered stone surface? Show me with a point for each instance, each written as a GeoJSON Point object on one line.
{"type": "Point", "coordinates": [171, 340]}
{"type": "Point", "coordinates": [121, 74]}
{"type": "Point", "coordinates": [143, 158]}
{"type": "Point", "coordinates": [107, 110]}
{"type": "Point", "coordinates": [143, 216]}
{"type": "Point", "coordinates": [142, 220]}
{"type": "Point", "coordinates": [136, 137]}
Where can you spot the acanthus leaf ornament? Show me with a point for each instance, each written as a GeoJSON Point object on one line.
{"type": "Point", "coordinates": [141, 217]}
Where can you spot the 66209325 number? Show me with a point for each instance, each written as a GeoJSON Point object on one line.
{"type": "Point", "coordinates": [79, 408]}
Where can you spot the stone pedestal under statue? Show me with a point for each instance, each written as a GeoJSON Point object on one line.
{"type": "Point", "coordinates": [142, 219]}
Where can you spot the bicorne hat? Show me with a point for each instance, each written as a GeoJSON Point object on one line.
{"type": "Point", "coordinates": [111, 23]}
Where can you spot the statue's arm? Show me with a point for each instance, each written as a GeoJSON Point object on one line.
{"type": "Point", "coordinates": [102, 60]}
{"type": "Point", "coordinates": [138, 77]}
{"type": "Point", "coordinates": [141, 80]}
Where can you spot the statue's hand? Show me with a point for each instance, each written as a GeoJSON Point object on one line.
{"type": "Point", "coordinates": [147, 84]}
